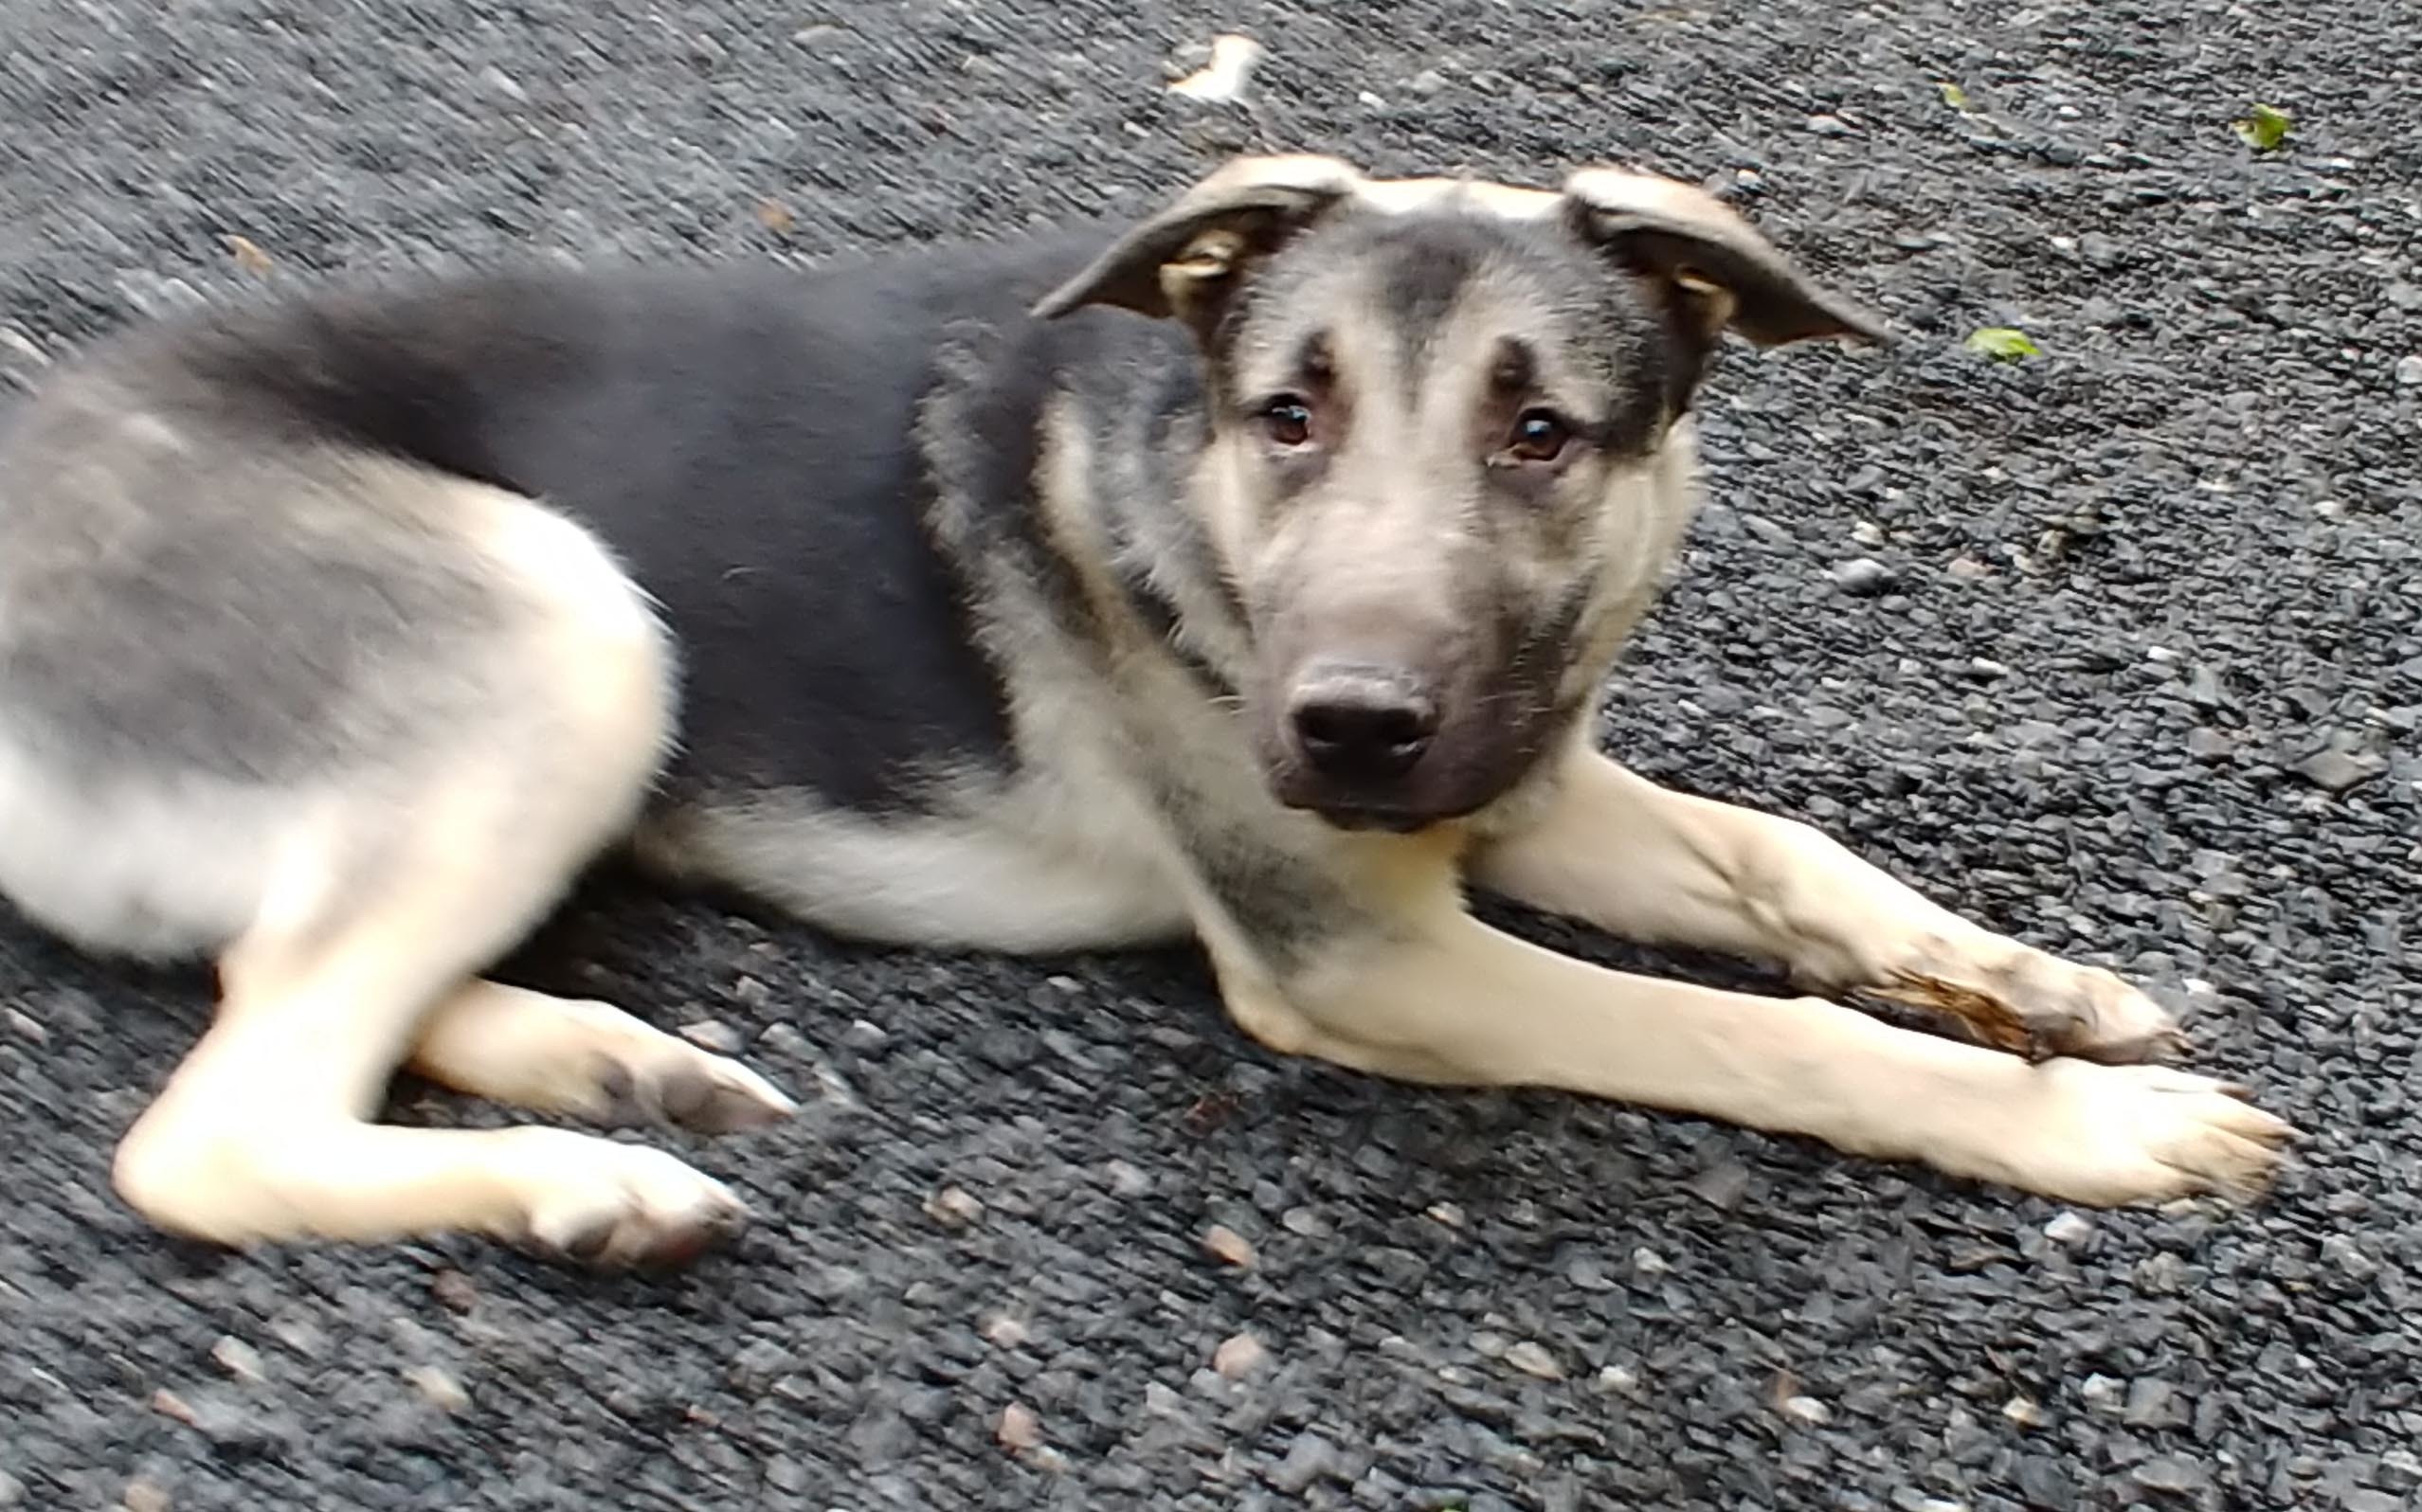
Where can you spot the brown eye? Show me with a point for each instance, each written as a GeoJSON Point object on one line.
{"type": "Point", "coordinates": [1288, 420]}
{"type": "Point", "coordinates": [1538, 435]}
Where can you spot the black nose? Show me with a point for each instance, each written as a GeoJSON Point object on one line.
{"type": "Point", "coordinates": [1361, 726]}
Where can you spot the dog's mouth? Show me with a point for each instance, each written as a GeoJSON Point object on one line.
{"type": "Point", "coordinates": [1365, 817]}
{"type": "Point", "coordinates": [1407, 812]}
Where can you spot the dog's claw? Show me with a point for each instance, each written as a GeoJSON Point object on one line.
{"type": "Point", "coordinates": [625, 1207]}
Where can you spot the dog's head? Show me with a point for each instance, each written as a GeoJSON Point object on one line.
{"type": "Point", "coordinates": [1444, 472]}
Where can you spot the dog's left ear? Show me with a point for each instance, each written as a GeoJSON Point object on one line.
{"type": "Point", "coordinates": [1187, 259]}
{"type": "Point", "coordinates": [1722, 273]}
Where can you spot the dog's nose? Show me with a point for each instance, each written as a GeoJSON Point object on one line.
{"type": "Point", "coordinates": [1361, 725]}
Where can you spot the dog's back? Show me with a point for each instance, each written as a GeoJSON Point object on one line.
{"type": "Point", "coordinates": [259, 556]}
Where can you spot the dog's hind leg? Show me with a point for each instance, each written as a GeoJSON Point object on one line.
{"type": "Point", "coordinates": [587, 1059]}
{"type": "Point", "coordinates": [1614, 850]}
{"type": "Point", "coordinates": [386, 884]}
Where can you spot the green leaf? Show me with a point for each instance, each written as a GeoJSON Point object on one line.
{"type": "Point", "coordinates": [2265, 129]}
{"type": "Point", "coordinates": [2003, 344]}
{"type": "Point", "coordinates": [1954, 96]}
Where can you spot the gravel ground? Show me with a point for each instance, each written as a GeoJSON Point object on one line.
{"type": "Point", "coordinates": [2115, 647]}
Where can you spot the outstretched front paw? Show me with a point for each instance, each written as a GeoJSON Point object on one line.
{"type": "Point", "coordinates": [2018, 999]}
{"type": "Point", "coordinates": [2112, 1135]}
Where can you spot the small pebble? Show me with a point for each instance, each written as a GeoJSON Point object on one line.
{"type": "Point", "coordinates": [501, 85]}
{"type": "Point", "coordinates": [954, 1208]}
{"type": "Point", "coordinates": [1125, 1180]}
{"type": "Point", "coordinates": [2023, 1411]}
{"type": "Point", "coordinates": [2175, 1476]}
{"type": "Point", "coordinates": [454, 1291]}
{"type": "Point", "coordinates": [2409, 370]}
{"type": "Point", "coordinates": [1646, 1262]}
{"type": "Point", "coordinates": [440, 1387]}
{"type": "Point", "coordinates": [1308, 1459]}
{"type": "Point", "coordinates": [1003, 1331]}
{"type": "Point", "coordinates": [1446, 1212]}
{"type": "Point", "coordinates": [238, 1359]}
{"type": "Point", "coordinates": [1618, 1378]}
{"type": "Point", "coordinates": [1228, 1246]}
{"type": "Point", "coordinates": [863, 1035]}
{"type": "Point", "coordinates": [2334, 771]}
{"type": "Point", "coordinates": [1238, 1356]}
{"type": "Point", "coordinates": [1019, 1429]}
{"type": "Point", "coordinates": [143, 1494]}
{"type": "Point", "coordinates": [1533, 1360]}
{"type": "Point", "coordinates": [712, 1034]}
{"type": "Point", "coordinates": [1862, 577]}
{"type": "Point", "coordinates": [2068, 1228]}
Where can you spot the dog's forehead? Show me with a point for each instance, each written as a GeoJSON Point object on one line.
{"type": "Point", "coordinates": [1423, 253]}
{"type": "Point", "coordinates": [1410, 196]}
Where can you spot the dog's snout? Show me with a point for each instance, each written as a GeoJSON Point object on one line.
{"type": "Point", "coordinates": [1361, 725]}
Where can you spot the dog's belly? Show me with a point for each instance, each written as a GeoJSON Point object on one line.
{"type": "Point", "coordinates": [1016, 875]}
{"type": "Point", "coordinates": [159, 871]}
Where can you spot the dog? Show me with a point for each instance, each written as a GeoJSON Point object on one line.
{"type": "Point", "coordinates": [1249, 574]}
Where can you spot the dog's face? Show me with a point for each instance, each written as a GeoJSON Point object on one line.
{"type": "Point", "coordinates": [1437, 475]}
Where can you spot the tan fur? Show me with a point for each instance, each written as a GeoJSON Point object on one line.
{"type": "Point", "coordinates": [264, 1131]}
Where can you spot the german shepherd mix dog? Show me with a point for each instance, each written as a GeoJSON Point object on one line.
{"type": "Point", "coordinates": [1252, 573]}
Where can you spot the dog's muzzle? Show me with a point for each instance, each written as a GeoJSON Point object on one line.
{"type": "Point", "coordinates": [1355, 737]}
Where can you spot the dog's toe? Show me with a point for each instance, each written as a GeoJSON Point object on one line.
{"type": "Point", "coordinates": [670, 1081]}
{"type": "Point", "coordinates": [719, 1096]}
{"type": "Point", "coordinates": [623, 1207]}
{"type": "Point", "coordinates": [2120, 1135]}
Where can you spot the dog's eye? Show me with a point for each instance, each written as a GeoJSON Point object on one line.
{"type": "Point", "coordinates": [1538, 435]}
{"type": "Point", "coordinates": [1288, 420]}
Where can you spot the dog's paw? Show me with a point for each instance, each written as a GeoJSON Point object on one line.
{"type": "Point", "coordinates": [2110, 1136]}
{"type": "Point", "coordinates": [660, 1079]}
{"type": "Point", "coordinates": [620, 1206]}
{"type": "Point", "coordinates": [2018, 999]}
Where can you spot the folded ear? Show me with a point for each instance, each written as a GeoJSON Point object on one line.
{"type": "Point", "coordinates": [1723, 272]}
{"type": "Point", "coordinates": [1187, 260]}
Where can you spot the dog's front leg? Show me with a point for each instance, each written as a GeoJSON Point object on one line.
{"type": "Point", "coordinates": [1434, 995]}
{"type": "Point", "coordinates": [1616, 850]}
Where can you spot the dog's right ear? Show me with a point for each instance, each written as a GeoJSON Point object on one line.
{"type": "Point", "coordinates": [1189, 258]}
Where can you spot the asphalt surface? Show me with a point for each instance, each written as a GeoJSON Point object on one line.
{"type": "Point", "coordinates": [2131, 668]}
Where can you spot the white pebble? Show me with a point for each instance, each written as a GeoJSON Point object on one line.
{"type": "Point", "coordinates": [2068, 1228]}
{"type": "Point", "coordinates": [1807, 1412]}
{"type": "Point", "coordinates": [1533, 1360]}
